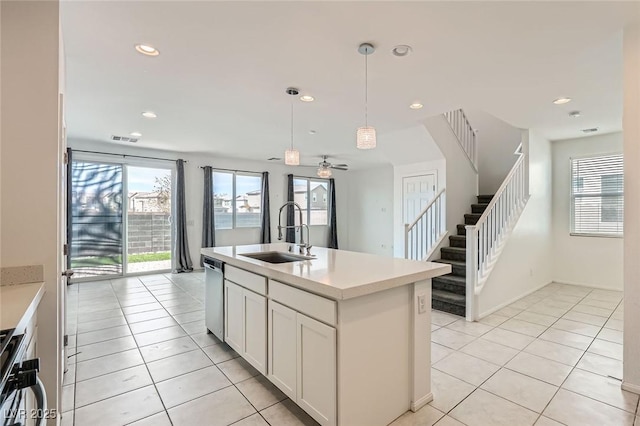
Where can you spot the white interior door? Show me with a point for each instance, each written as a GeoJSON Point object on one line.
{"type": "Point", "coordinates": [417, 192]}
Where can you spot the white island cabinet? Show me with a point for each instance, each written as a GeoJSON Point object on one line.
{"type": "Point", "coordinates": [341, 334]}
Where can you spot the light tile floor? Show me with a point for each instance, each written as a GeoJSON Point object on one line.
{"type": "Point", "coordinates": [141, 356]}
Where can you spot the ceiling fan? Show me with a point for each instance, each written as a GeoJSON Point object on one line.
{"type": "Point", "coordinates": [324, 167]}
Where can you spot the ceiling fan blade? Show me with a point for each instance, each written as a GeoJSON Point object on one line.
{"type": "Point", "coordinates": [339, 167]}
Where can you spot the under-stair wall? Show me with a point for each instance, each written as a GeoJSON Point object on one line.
{"type": "Point", "coordinates": [461, 175]}
{"type": "Point", "coordinates": [496, 141]}
{"type": "Point", "coordinates": [526, 262]}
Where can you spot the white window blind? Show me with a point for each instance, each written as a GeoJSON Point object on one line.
{"type": "Point", "coordinates": [597, 196]}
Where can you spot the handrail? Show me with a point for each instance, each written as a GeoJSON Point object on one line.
{"type": "Point", "coordinates": [486, 239]}
{"type": "Point", "coordinates": [465, 134]}
{"type": "Point", "coordinates": [499, 192]}
{"type": "Point", "coordinates": [426, 208]}
{"type": "Point", "coordinates": [423, 235]}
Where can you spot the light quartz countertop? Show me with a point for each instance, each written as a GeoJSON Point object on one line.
{"type": "Point", "coordinates": [18, 303]}
{"type": "Point", "coordinates": [336, 274]}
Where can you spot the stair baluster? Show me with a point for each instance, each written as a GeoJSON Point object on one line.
{"type": "Point", "coordinates": [423, 235]}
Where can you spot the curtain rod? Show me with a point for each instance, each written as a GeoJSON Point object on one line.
{"type": "Point", "coordinates": [233, 170]}
{"type": "Point", "coordinates": [123, 155]}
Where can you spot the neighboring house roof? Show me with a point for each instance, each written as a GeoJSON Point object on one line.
{"type": "Point", "coordinates": [148, 195]}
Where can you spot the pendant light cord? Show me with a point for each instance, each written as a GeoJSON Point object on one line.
{"type": "Point", "coordinates": [292, 125]}
{"type": "Point", "coordinates": [366, 89]}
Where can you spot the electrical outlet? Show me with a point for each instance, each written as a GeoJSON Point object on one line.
{"type": "Point", "coordinates": [422, 304]}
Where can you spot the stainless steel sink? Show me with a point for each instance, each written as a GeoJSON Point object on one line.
{"type": "Point", "coordinates": [276, 257]}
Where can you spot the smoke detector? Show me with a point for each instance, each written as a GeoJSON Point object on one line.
{"type": "Point", "coordinates": [401, 50]}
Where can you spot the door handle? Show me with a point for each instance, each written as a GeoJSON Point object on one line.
{"type": "Point", "coordinates": [68, 273]}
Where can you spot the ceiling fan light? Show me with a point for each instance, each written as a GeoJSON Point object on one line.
{"type": "Point", "coordinates": [324, 172]}
{"type": "Point", "coordinates": [366, 138]}
{"type": "Point", "coordinates": [292, 157]}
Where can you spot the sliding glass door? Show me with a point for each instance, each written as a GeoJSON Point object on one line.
{"type": "Point", "coordinates": [148, 219]}
{"type": "Point", "coordinates": [96, 219]}
{"type": "Point", "coordinates": [120, 219]}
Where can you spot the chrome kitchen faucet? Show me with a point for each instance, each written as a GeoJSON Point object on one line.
{"type": "Point", "coordinates": [302, 244]}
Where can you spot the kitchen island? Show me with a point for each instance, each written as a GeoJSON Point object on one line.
{"type": "Point", "coordinates": [345, 335]}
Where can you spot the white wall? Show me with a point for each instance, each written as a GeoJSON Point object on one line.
{"type": "Point", "coordinates": [590, 261]}
{"type": "Point", "coordinates": [631, 126]}
{"type": "Point", "coordinates": [371, 211]}
{"type": "Point", "coordinates": [437, 167]}
{"type": "Point", "coordinates": [31, 163]}
{"type": "Point", "coordinates": [461, 179]}
{"type": "Point", "coordinates": [526, 263]}
{"type": "Point", "coordinates": [497, 141]}
{"type": "Point", "coordinates": [194, 185]}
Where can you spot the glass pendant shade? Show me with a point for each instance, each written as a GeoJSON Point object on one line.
{"type": "Point", "coordinates": [366, 138]}
{"type": "Point", "coordinates": [292, 157]}
{"type": "Point", "coordinates": [324, 172]}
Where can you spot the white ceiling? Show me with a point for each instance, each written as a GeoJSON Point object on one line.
{"type": "Point", "coordinates": [219, 83]}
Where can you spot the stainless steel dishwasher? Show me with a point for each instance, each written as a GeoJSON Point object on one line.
{"type": "Point", "coordinates": [214, 297]}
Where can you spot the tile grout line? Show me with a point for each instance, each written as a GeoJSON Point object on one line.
{"type": "Point", "coordinates": [522, 350]}
{"type": "Point", "coordinates": [147, 368]}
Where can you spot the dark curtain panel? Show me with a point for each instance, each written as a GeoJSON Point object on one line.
{"type": "Point", "coordinates": [69, 199]}
{"type": "Point", "coordinates": [181, 252]}
{"type": "Point", "coordinates": [265, 215]}
{"type": "Point", "coordinates": [208, 219]}
{"type": "Point", "coordinates": [333, 227]}
{"type": "Point", "coordinates": [291, 232]}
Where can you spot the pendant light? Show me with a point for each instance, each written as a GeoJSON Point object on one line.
{"type": "Point", "coordinates": [366, 136]}
{"type": "Point", "coordinates": [324, 172]}
{"type": "Point", "coordinates": [291, 155]}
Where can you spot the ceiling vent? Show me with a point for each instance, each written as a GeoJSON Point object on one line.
{"type": "Point", "coordinates": [123, 139]}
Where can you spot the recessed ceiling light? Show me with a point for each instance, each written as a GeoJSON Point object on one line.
{"type": "Point", "coordinates": [416, 105]}
{"type": "Point", "coordinates": [591, 130]}
{"type": "Point", "coordinates": [401, 50]}
{"type": "Point", "coordinates": [149, 114]}
{"type": "Point", "coordinates": [145, 49]}
{"type": "Point", "coordinates": [135, 134]}
{"type": "Point", "coordinates": [307, 98]}
{"type": "Point", "coordinates": [561, 101]}
{"type": "Point", "coordinates": [574, 114]}
{"type": "Point", "coordinates": [312, 132]}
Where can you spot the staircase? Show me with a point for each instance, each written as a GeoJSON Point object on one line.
{"type": "Point", "coordinates": [449, 291]}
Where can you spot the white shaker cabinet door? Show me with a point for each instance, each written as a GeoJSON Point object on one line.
{"type": "Point", "coordinates": [234, 316]}
{"type": "Point", "coordinates": [316, 375]}
{"type": "Point", "coordinates": [282, 348]}
{"type": "Point", "coordinates": [255, 330]}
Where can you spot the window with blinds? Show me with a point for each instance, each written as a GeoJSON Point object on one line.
{"type": "Point", "coordinates": [597, 196]}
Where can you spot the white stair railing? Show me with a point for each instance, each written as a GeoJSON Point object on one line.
{"type": "Point", "coordinates": [487, 238]}
{"type": "Point", "coordinates": [423, 235]}
{"type": "Point", "coordinates": [465, 134]}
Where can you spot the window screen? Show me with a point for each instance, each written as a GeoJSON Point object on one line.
{"type": "Point", "coordinates": [597, 196]}
{"type": "Point", "coordinates": [311, 195]}
{"type": "Point", "coordinates": [237, 199]}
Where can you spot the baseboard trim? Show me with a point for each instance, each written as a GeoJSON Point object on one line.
{"type": "Point", "coordinates": [510, 301]}
{"type": "Point", "coordinates": [599, 287]}
{"type": "Point", "coordinates": [415, 406]}
{"type": "Point", "coordinates": [631, 388]}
